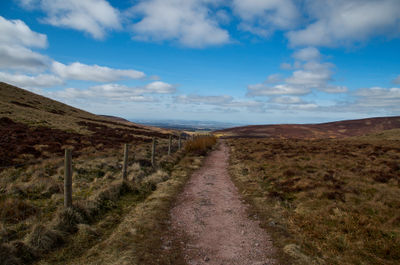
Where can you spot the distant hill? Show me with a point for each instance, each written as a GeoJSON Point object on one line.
{"type": "Point", "coordinates": [114, 118]}
{"type": "Point", "coordinates": [339, 129]}
{"type": "Point", "coordinates": [35, 126]}
{"type": "Point", "coordinates": [188, 125]}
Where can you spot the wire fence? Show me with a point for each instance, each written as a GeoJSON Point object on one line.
{"type": "Point", "coordinates": [123, 159]}
{"type": "Point", "coordinates": [43, 159]}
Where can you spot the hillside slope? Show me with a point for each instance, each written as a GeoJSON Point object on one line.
{"type": "Point", "coordinates": [33, 126]}
{"type": "Point", "coordinates": [34, 110]}
{"type": "Point", "coordinates": [338, 129]}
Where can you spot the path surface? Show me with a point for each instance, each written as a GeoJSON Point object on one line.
{"type": "Point", "coordinates": [211, 215]}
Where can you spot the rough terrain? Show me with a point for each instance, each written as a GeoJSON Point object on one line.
{"type": "Point", "coordinates": [212, 217]}
{"type": "Point", "coordinates": [338, 129]}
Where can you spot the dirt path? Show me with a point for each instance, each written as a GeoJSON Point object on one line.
{"type": "Point", "coordinates": [211, 215]}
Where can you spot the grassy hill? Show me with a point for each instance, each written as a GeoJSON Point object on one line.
{"type": "Point", "coordinates": [31, 109]}
{"type": "Point", "coordinates": [34, 225]}
{"type": "Point", "coordinates": [337, 129]}
{"type": "Point", "coordinates": [33, 126]}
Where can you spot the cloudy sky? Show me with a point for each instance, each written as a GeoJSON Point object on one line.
{"type": "Point", "coordinates": [253, 61]}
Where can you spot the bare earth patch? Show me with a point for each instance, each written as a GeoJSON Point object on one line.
{"type": "Point", "coordinates": [211, 215]}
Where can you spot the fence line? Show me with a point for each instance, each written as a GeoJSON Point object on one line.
{"type": "Point", "coordinates": [68, 167]}
{"type": "Point", "coordinates": [68, 178]}
{"type": "Point", "coordinates": [37, 161]}
{"type": "Point", "coordinates": [125, 162]}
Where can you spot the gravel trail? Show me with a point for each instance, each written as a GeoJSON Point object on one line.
{"type": "Point", "coordinates": [213, 218]}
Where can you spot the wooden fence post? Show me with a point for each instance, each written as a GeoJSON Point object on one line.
{"type": "Point", "coordinates": [125, 165]}
{"type": "Point", "coordinates": [153, 151]}
{"type": "Point", "coordinates": [68, 178]}
{"type": "Point", "coordinates": [179, 142]}
{"type": "Point", "coordinates": [169, 144]}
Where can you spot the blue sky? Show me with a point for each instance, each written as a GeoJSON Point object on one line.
{"type": "Point", "coordinates": [254, 61]}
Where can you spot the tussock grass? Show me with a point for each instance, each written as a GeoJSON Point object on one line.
{"type": "Point", "coordinates": [100, 201]}
{"type": "Point", "coordinates": [324, 201]}
{"type": "Point", "coordinates": [200, 144]}
{"type": "Point", "coordinates": [132, 232]}
{"type": "Point", "coordinates": [44, 238]}
{"type": "Point", "coordinates": [8, 255]}
{"type": "Point", "coordinates": [138, 238]}
{"type": "Point", "coordinates": [67, 220]}
{"type": "Point", "coordinates": [33, 194]}
{"type": "Point", "coordinates": [13, 210]}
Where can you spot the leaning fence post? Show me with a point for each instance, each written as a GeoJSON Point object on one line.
{"type": "Point", "coordinates": [125, 165]}
{"type": "Point", "coordinates": [169, 144]}
{"type": "Point", "coordinates": [153, 151]}
{"type": "Point", "coordinates": [68, 179]}
{"type": "Point", "coordinates": [179, 142]}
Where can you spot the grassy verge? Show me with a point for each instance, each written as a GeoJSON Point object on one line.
{"type": "Point", "coordinates": [32, 220]}
{"type": "Point", "coordinates": [324, 201]}
{"type": "Point", "coordinates": [135, 231]}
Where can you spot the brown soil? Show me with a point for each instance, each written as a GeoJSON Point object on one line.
{"type": "Point", "coordinates": [213, 218]}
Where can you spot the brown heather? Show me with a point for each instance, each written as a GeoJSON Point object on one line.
{"type": "Point", "coordinates": [325, 201]}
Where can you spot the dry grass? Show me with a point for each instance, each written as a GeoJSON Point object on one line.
{"type": "Point", "coordinates": [101, 203]}
{"type": "Point", "coordinates": [33, 195]}
{"type": "Point", "coordinates": [37, 130]}
{"type": "Point", "coordinates": [44, 239]}
{"type": "Point", "coordinates": [324, 201]}
{"type": "Point", "coordinates": [200, 144]}
{"type": "Point", "coordinates": [133, 231]}
{"type": "Point", "coordinates": [13, 210]}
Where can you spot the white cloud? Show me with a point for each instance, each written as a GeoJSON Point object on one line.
{"type": "Point", "coordinates": [223, 102]}
{"type": "Point", "coordinates": [309, 75]}
{"type": "Point", "coordinates": [286, 100]}
{"type": "Point", "coordinates": [15, 38]}
{"type": "Point", "coordinates": [264, 89]}
{"type": "Point", "coordinates": [307, 54]}
{"type": "Point", "coordinates": [342, 22]}
{"type": "Point", "coordinates": [190, 22]}
{"type": "Point", "coordinates": [79, 71]}
{"type": "Point", "coordinates": [315, 75]}
{"type": "Point", "coordinates": [116, 92]}
{"type": "Point", "coordinates": [286, 66]}
{"type": "Point", "coordinates": [378, 97]}
{"type": "Point", "coordinates": [28, 81]}
{"type": "Point", "coordinates": [291, 103]}
{"type": "Point", "coordinates": [16, 32]}
{"type": "Point", "coordinates": [262, 17]}
{"type": "Point", "coordinates": [198, 99]}
{"type": "Point", "coordinates": [159, 88]}
{"type": "Point", "coordinates": [96, 94]}
{"type": "Point", "coordinates": [274, 78]}
{"type": "Point", "coordinates": [91, 16]}
{"type": "Point", "coordinates": [375, 101]}
{"type": "Point", "coordinates": [334, 89]}
{"type": "Point", "coordinates": [312, 75]}
{"type": "Point", "coordinates": [307, 106]}
{"type": "Point", "coordinates": [249, 104]}
{"type": "Point", "coordinates": [21, 58]}
{"type": "Point", "coordinates": [397, 80]}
